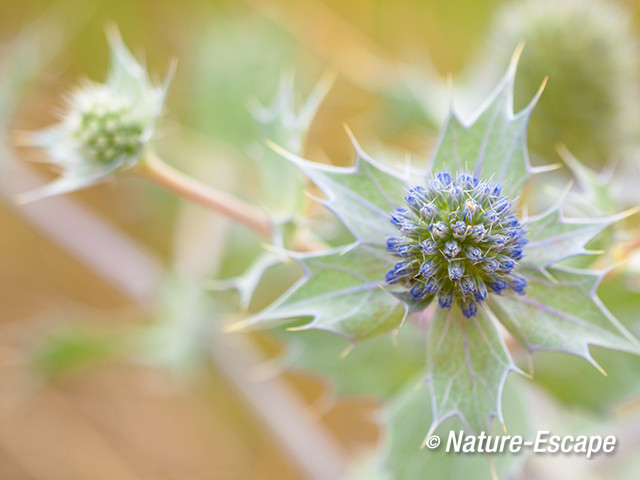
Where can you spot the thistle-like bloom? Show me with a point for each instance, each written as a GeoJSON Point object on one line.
{"type": "Point", "coordinates": [459, 240]}
{"type": "Point", "coordinates": [106, 127]}
{"type": "Point", "coordinates": [452, 251]}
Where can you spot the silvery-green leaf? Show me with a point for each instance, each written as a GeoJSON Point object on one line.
{"type": "Point", "coordinates": [128, 77]}
{"type": "Point", "coordinates": [69, 183]}
{"type": "Point", "coordinates": [247, 282]}
{"type": "Point", "coordinates": [285, 125]}
{"type": "Point", "coordinates": [595, 189]}
{"type": "Point", "coordinates": [492, 144]}
{"type": "Point", "coordinates": [407, 418]}
{"type": "Point", "coordinates": [467, 367]}
{"type": "Point", "coordinates": [341, 292]}
{"type": "Point", "coordinates": [554, 237]}
{"type": "Point", "coordinates": [362, 196]}
{"type": "Point", "coordinates": [562, 312]}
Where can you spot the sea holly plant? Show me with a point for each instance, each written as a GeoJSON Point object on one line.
{"type": "Point", "coordinates": [107, 125]}
{"type": "Point", "coordinates": [109, 128]}
{"type": "Point", "coordinates": [453, 245]}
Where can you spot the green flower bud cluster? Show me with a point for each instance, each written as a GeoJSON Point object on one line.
{"type": "Point", "coordinates": [105, 125]}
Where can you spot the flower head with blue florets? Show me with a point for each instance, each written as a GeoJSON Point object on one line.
{"type": "Point", "coordinates": [458, 240]}
{"type": "Point", "coordinates": [447, 248]}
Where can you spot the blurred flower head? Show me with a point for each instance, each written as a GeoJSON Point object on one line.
{"type": "Point", "coordinates": [588, 50]}
{"type": "Point", "coordinates": [106, 126]}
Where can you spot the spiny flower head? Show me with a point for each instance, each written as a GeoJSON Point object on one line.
{"type": "Point", "coordinates": [455, 243]}
{"type": "Point", "coordinates": [106, 126]}
{"type": "Point", "coordinates": [459, 240]}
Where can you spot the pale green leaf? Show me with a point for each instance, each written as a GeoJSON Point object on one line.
{"type": "Point", "coordinates": [467, 367]}
{"type": "Point", "coordinates": [562, 312]}
{"type": "Point", "coordinates": [595, 189]}
{"type": "Point", "coordinates": [554, 237]}
{"type": "Point", "coordinates": [247, 282]}
{"type": "Point", "coordinates": [407, 418]}
{"type": "Point", "coordinates": [362, 196]}
{"type": "Point", "coordinates": [285, 125]}
{"type": "Point", "coordinates": [342, 293]}
{"type": "Point", "coordinates": [492, 144]}
{"type": "Point", "coordinates": [575, 382]}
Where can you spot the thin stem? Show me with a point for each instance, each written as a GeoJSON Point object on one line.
{"type": "Point", "coordinates": [154, 169]}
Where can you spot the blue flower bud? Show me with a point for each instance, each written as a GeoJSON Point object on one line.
{"type": "Point", "coordinates": [497, 241]}
{"type": "Point", "coordinates": [492, 217]}
{"type": "Point", "coordinates": [428, 269]}
{"type": "Point", "coordinates": [444, 178]}
{"type": "Point", "coordinates": [415, 198]}
{"type": "Point", "coordinates": [480, 293]}
{"type": "Point", "coordinates": [408, 228]}
{"type": "Point", "coordinates": [478, 232]}
{"type": "Point", "coordinates": [392, 244]}
{"type": "Point", "coordinates": [455, 193]}
{"type": "Point", "coordinates": [517, 283]}
{"type": "Point", "coordinates": [470, 208]}
{"type": "Point", "coordinates": [398, 272]}
{"type": "Point", "coordinates": [456, 271]}
{"type": "Point", "coordinates": [428, 212]}
{"type": "Point", "coordinates": [511, 221]}
{"type": "Point", "coordinates": [466, 181]}
{"type": "Point", "coordinates": [506, 263]}
{"type": "Point", "coordinates": [516, 254]}
{"type": "Point", "coordinates": [432, 285]}
{"type": "Point", "coordinates": [398, 217]}
{"type": "Point", "coordinates": [418, 292]}
{"type": "Point", "coordinates": [474, 254]}
{"type": "Point", "coordinates": [459, 229]}
{"type": "Point", "coordinates": [428, 247]}
{"type": "Point", "coordinates": [440, 230]}
{"type": "Point", "coordinates": [467, 285]}
{"type": "Point", "coordinates": [503, 204]}
{"type": "Point", "coordinates": [451, 248]}
{"type": "Point", "coordinates": [490, 265]}
{"type": "Point", "coordinates": [405, 251]}
{"type": "Point", "coordinates": [445, 299]}
{"type": "Point", "coordinates": [497, 285]}
{"type": "Point", "coordinates": [469, 309]}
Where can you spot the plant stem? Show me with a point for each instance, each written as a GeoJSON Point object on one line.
{"type": "Point", "coordinates": [156, 170]}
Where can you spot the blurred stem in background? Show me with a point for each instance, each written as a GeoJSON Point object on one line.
{"type": "Point", "coordinates": [153, 168]}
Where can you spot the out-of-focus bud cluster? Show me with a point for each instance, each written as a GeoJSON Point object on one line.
{"type": "Point", "coordinates": [589, 51]}
{"type": "Point", "coordinates": [106, 127]}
